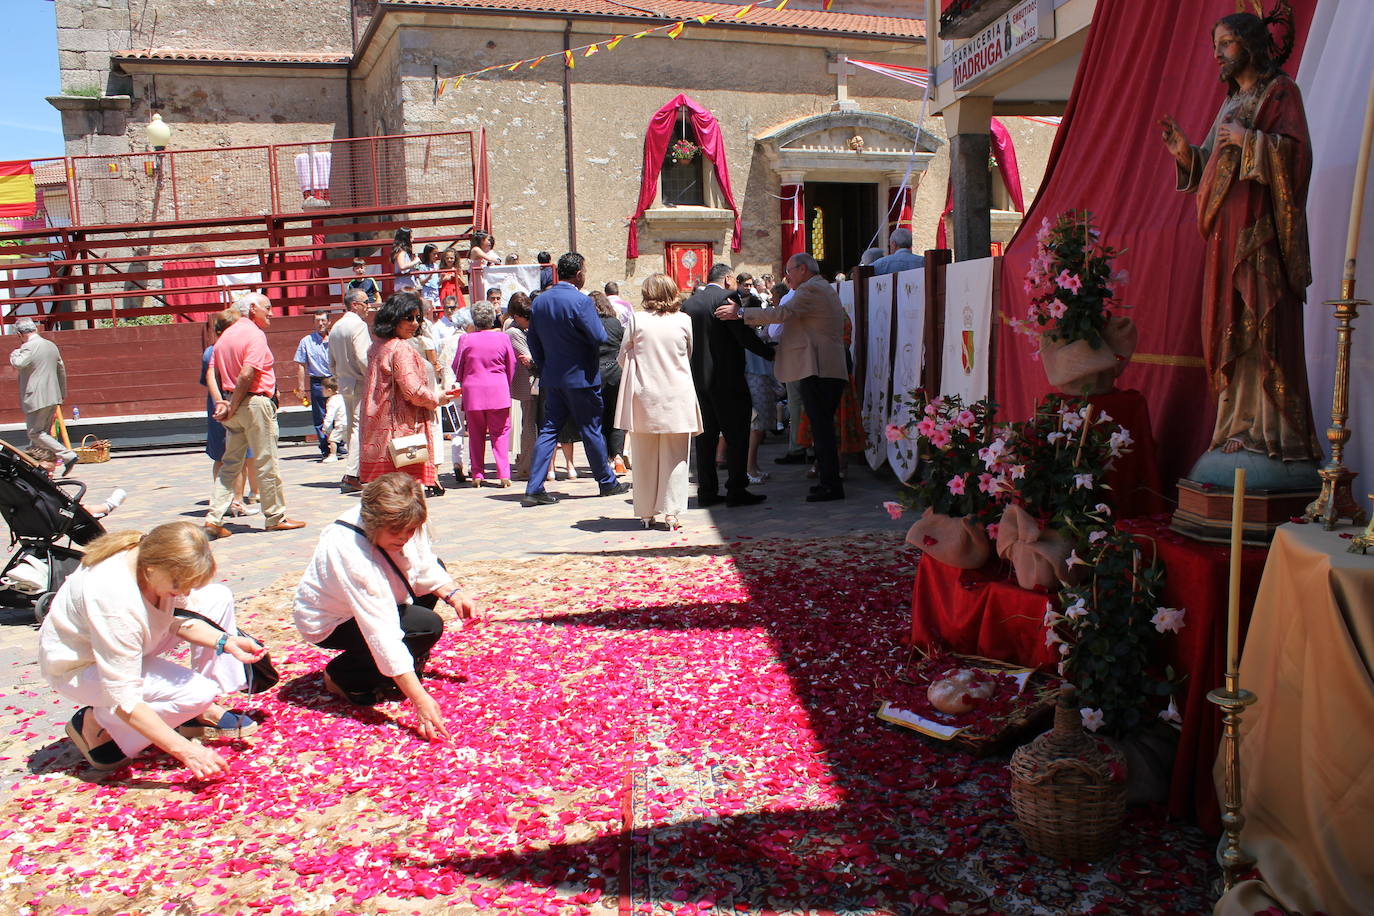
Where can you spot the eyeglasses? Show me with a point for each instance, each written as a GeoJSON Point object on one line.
{"type": "Point", "coordinates": [414, 318]}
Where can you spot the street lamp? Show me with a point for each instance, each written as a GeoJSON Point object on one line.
{"type": "Point", "coordinates": [159, 133]}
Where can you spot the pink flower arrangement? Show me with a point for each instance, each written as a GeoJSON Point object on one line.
{"type": "Point", "coordinates": [956, 475]}
{"type": "Point", "coordinates": [1070, 282]}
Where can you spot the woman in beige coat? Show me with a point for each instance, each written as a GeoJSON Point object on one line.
{"type": "Point", "coordinates": [658, 402]}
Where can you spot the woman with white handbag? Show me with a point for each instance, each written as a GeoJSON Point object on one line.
{"type": "Point", "coordinates": [398, 399]}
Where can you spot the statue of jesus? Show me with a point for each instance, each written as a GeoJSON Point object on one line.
{"type": "Point", "coordinates": [1250, 176]}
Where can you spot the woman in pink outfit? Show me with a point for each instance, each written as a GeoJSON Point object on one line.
{"type": "Point", "coordinates": [485, 365]}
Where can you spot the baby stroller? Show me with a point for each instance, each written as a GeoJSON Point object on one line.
{"type": "Point", "coordinates": [47, 522]}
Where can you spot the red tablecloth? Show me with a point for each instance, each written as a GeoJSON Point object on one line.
{"type": "Point", "coordinates": [983, 612]}
{"type": "Point", "coordinates": [1134, 478]}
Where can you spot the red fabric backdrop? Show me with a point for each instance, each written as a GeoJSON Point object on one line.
{"type": "Point", "coordinates": [656, 146]}
{"type": "Point", "coordinates": [1142, 60]}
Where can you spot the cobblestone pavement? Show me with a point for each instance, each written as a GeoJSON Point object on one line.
{"type": "Point", "coordinates": [470, 526]}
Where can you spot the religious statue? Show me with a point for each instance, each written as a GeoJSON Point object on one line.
{"type": "Point", "coordinates": [1250, 176]}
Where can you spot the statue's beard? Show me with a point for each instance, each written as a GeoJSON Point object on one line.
{"type": "Point", "coordinates": [1230, 68]}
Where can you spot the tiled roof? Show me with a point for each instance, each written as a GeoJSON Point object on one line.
{"type": "Point", "coordinates": [202, 55]}
{"type": "Point", "coordinates": [678, 10]}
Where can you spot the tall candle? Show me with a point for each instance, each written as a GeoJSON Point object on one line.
{"type": "Point", "coordinates": [1352, 236]}
{"type": "Point", "coordinates": [1233, 599]}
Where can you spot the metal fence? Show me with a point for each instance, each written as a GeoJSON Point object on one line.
{"type": "Point", "coordinates": [196, 185]}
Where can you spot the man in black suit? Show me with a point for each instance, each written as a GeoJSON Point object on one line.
{"type": "Point", "coordinates": [722, 391]}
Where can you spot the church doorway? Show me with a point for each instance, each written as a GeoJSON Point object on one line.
{"type": "Point", "coordinates": [841, 220]}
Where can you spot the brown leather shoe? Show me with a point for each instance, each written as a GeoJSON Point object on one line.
{"type": "Point", "coordinates": [350, 484]}
{"type": "Point", "coordinates": [286, 524]}
{"type": "Point", "coordinates": [215, 532]}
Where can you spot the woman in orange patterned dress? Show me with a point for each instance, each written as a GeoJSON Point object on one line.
{"type": "Point", "coordinates": [398, 399]}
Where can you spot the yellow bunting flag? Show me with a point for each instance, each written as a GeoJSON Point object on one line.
{"type": "Point", "coordinates": [639, 34]}
{"type": "Point", "coordinates": [538, 60]}
{"type": "Point", "coordinates": [460, 82]}
{"type": "Point", "coordinates": [569, 59]}
{"type": "Point", "coordinates": [826, 5]}
{"type": "Point", "coordinates": [781, 5]}
{"type": "Point", "coordinates": [610, 45]}
{"type": "Point", "coordinates": [513, 66]}
{"type": "Point", "coordinates": [443, 84]}
{"type": "Point", "coordinates": [705, 19]}
{"type": "Point", "coordinates": [591, 49]}
{"type": "Point", "coordinates": [676, 30]}
{"type": "Point", "coordinates": [743, 11]}
{"type": "Point", "coordinates": [18, 193]}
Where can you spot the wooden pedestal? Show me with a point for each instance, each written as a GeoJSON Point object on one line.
{"type": "Point", "coordinates": [1204, 512]}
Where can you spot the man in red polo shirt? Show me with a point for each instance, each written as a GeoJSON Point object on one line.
{"type": "Point", "coordinates": [244, 365]}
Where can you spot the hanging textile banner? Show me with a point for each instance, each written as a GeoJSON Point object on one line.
{"type": "Point", "coordinates": [968, 328]}
{"type": "Point", "coordinates": [845, 288]}
{"type": "Point", "coordinates": [512, 279]}
{"type": "Point", "coordinates": [18, 193]}
{"type": "Point", "coordinates": [909, 363]}
{"type": "Point", "coordinates": [876, 398]}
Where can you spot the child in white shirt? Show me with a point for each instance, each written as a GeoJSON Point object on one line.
{"type": "Point", "coordinates": [335, 425]}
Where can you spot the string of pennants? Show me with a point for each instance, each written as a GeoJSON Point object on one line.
{"type": "Point", "coordinates": [915, 76]}
{"type": "Point", "coordinates": [569, 57]}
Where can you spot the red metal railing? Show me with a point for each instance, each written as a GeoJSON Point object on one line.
{"type": "Point", "coordinates": [295, 210]}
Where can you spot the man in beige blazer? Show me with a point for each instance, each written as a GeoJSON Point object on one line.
{"type": "Point", "coordinates": [810, 352]}
{"type": "Point", "coordinates": [42, 387]}
{"type": "Point", "coordinates": [348, 342]}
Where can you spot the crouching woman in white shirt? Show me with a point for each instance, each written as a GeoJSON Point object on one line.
{"type": "Point", "coordinates": [369, 592]}
{"type": "Point", "coordinates": [108, 626]}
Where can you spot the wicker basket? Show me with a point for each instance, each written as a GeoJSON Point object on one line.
{"type": "Point", "coordinates": [93, 450]}
{"type": "Point", "coordinates": [1068, 806]}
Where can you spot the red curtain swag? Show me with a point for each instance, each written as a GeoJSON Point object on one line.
{"type": "Point", "coordinates": [656, 141]}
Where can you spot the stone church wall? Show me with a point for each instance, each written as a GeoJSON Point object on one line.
{"type": "Point", "coordinates": [613, 97]}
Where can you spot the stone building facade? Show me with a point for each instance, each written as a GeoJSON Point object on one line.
{"type": "Point", "coordinates": [565, 147]}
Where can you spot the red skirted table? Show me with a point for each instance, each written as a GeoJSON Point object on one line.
{"type": "Point", "coordinates": [1137, 486]}
{"type": "Point", "coordinates": [984, 612]}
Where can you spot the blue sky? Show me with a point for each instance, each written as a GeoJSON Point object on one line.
{"type": "Point", "coordinates": [30, 128]}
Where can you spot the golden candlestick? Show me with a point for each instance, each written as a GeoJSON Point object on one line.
{"type": "Point", "coordinates": [1336, 501]}
{"type": "Point", "coordinates": [1233, 859]}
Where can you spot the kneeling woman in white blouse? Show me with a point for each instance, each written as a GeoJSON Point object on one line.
{"type": "Point", "coordinates": [369, 592]}
{"type": "Point", "coordinates": [109, 624]}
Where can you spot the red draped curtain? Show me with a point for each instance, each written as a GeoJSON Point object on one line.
{"type": "Point", "coordinates": [898, 209]}
{"type": "Point", "coordinates": [656, 141]}
{"type": "Point", "coordinates": [1142, 60]}
{"type": "Point", "coordinates": [792, 209]}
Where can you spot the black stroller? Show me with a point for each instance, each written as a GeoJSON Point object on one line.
{"type": "Point", "coordinates": [47, 523]}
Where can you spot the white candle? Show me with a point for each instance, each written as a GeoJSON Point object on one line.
{"type": "Point", "coordinates": [1233, 602]}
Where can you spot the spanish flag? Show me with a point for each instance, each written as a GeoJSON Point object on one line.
{"type": "Point", "coordinates": [610, 45]}
{"type": "Point", "coordinates": [743, 11]}
{"type": "Point", "coordinates": [18, 196]}
{"type": "Point", "coordinates": [591, 49]}
{"type": "Point", "coordinates": [676, 30]}
{"type": "Point", "coordinates": [569, 59]}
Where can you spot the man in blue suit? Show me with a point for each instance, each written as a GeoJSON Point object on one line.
{"type": "Point", "coordinates": [565, 335]}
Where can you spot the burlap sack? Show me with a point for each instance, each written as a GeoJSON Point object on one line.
{"type": "Point", "coordinates": [958, 542]}
{"type": "Point", "coordinates": [1037, 556]}
{"type": "Point", "coordinates": [1078, 369]}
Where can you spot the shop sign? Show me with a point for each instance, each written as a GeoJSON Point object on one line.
{"type": "Point", "coordinates": [1025, 26]}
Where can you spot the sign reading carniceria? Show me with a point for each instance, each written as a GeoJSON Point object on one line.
{"type": "Point", "coordinates": [1025, 26]}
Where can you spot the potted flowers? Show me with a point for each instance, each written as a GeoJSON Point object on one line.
{"type": "Point", "coordinates": [683, 151]}
{"type": "Point", "coordinates": [1051, 470]}
{"type": "Point", "coordinates": [1084, 345]}
{"type": "Point", "coordinates": [951, 486]}
{"type": "Point", "coordinates": [1106, 629]}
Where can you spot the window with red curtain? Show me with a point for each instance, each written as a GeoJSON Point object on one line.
{"type": "Point", "coordinates": [683, 184]}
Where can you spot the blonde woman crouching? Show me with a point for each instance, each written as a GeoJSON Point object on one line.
{"type": "Point", "coordinates": [108, 626]}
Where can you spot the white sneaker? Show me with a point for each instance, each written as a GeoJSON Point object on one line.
{"type": "Point", "coordinates": [328, 458]}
